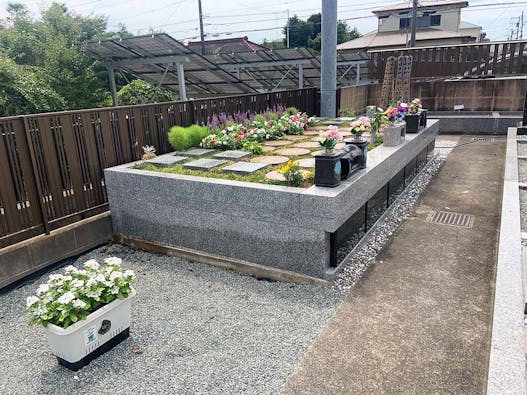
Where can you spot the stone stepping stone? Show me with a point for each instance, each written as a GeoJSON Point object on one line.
{"type": "Point", "coordinates": [244, 167]}
{"type": "Point", "coordinates": [295, 137]}
{"type": "Point", "coordinates": [312, 133]}
{"type": "Point", "coordinates": [307, 144]}
{"type": "Point", "coordinates": [275, 176]}
{"type": "Point", "coordinates": [232, 154]}
{"type": "Point", "coordinates": [277, 143]}
{"type": "Point", "coordinates": [197, 152]}
{"type": "Point", "coordinates": [166, 160]}
{"type": "Point", "coordinates": [308, 162]}
{"type": "Point", "coordinates": [266, 148]}
{"type": "Point", "coordinates": [345, 133]}
{"type": "Point", "coordinates": [204, 164]}
{"type": "Point", "coordinates": [270, 159]}
{"type": "Point", "coordinates": [293, 151]}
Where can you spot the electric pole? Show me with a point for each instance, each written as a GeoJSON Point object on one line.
{"type": "Point", "coordinates": [202, 35]}
{"type": "Point", "coordinates": [413, 22]}
{"type": "Point", "coordinates": [328, 77]}
{"type": "Point", "coordinates": [521, 26]}
{"type": "Point", "coordinates": [287, 29]}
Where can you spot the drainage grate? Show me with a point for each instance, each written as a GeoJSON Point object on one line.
{"type": "Point", "coordinates": [484, 139]}
{"type": "Point", "coordinates": [452, 219]}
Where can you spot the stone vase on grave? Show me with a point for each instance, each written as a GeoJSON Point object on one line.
{"type": "Point", "coordinates": [412, 123]}
{"type": "Point", "coordinates": [394, 134]}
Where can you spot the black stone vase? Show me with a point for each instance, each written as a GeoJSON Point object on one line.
{"type": "Point", "coordinates": [328, 169]}
{"type": "Point", "coordinates": [412, 123]}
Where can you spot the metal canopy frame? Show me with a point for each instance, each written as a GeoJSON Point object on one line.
{"type": "Point", "coordinates": [151, 58]}
{"type": "Point", "coordinates": [167, 63]}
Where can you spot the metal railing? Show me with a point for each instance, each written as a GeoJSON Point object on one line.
{"type": "Point", "coordinates": [51, 165]}
{"type": "Point", "coordinates": [490, 58]}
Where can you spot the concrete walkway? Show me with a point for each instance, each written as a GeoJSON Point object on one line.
{"type": "Point", "coordinates": [419, 323]}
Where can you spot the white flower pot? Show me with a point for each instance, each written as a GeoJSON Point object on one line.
{"type": "Point", "coordinates": [85, 340]}
{"type": "Point", "coordinates": [394, 134]}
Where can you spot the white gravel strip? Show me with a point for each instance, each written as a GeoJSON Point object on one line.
{"type": "Point", "coordinates": [365, 254]}
{"type": "Point", "coordinates": [199, 329]}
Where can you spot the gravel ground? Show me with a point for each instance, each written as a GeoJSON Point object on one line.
{"type": "Point", "coordinates": [522, 149]}
{"type": "Point", "coordinates": [199, 329]}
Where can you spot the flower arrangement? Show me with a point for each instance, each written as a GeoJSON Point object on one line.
{"type": "Point", "coordinates": [378, 119]}
{"type": "Point", "coordinates": [415, 106]}
{"type": "Point", "coordinates": [67, 298]}
{"type": "Point", "coordinates": [149, 152]}
{"type": "Point", "coordinates": [395, 113]}
{"type": "Point", "coordinates": [359, 126]}
{"type": "Point", "coordinates": [330, 137]}
{"type": "Point", "coordinates": [292, 173]}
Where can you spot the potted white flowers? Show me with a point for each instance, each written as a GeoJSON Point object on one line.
{"type": "Point", "coordinates": [84, 312]}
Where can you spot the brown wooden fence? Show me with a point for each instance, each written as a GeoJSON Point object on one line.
{"type": "Point", "coordinates": [492, 58]}
{"type": "Point", "coordinates": [51, 165]}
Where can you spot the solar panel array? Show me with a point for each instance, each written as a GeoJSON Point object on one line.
{"type": "Point", "coordinates": [226, 73]}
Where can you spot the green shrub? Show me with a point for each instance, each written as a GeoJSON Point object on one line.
{"type": "Point", "coordinates": [291, 111]}
{"type": "Point", "coordinates": [182, 138]}
{"type": "Point", "coordinates": [253, 146]}
{"type": "Point", "coordinates": [274, 116]}
{"type": "Point", "coordinates": [259, 119]}
{"type": "Point", "coordinates": [347, 113]}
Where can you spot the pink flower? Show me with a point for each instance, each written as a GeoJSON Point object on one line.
{"type": "Point", "coordinates": [333, 133]}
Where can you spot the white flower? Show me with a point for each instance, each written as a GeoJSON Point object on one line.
{"type": "Point", "coordinates": [115, 275]}
{"type": "Point", "coordinates": [91, 281]}
{"type": "Point", "coordinates": [71, 269]}
{"type": "Point", "coordinates": [31, 300]}
{"type": "Point", "coordinates": [78, 304]}
{"type": "Point", "coordinates": [113, 261]}
{"type": "Point", "coordinates": [91, 264]}
{"type": "Point", "coordinates": [93, 294]}
{"type": "Point", "coordinates": [114, 291]}
{"type": "Point", "coordinates": [100, 278]}
{"type": "Point", "coordinates": [129, 273]}
{"type": "Point", "coordinates": [42, 288]}
{"type": "Point", "coordinates": [77, 283]}
{"type": "Point", "coordinates": [66, 298]}
{"type": "Point", "coordinates": [56, 277]}
{"type": "Point", "coordinates": [40, 311]}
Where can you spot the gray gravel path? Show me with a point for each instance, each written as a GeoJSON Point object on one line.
{"type": "Point", "coordinates": [200, 330]}
{"type": "Point", "coordinates": [522, 149]}
{"type": "Point", "coordinates": [522, 170]}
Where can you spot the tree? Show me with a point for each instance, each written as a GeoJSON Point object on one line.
{"type": "Point", "coordinates": [299, 32]}
{"type": "Point", "coordinates": [139, 92]}
{"type": "Point", "coordinates": [273, 44]}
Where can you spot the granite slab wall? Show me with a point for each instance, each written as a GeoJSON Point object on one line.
{"type": "Point", "coordinates": [278, 226]}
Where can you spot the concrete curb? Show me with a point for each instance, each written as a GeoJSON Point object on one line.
{"type": "Point", "coordinates": [507, 354]}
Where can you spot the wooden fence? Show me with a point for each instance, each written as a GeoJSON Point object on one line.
{"type": "Point", "coordinates": [492, 58]}
{"type": "Point", "coordinates": [51, 165]}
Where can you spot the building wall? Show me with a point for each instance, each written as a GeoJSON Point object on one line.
{"type": "Point", "coordinates": [450, 20]}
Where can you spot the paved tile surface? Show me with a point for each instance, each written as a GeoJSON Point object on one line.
{"type": "Point", "coordinates": [270, 159]}
{"type": "Point", "coordinates": [419, 323]}
{"type": "Point", "coordinates": [204, 164]}
{"type": "Point", "coordinates": [232, 154]}
{"type": "Point", "coordinates": [244, 167]}
{"type": "Point", "coordinates": [166, 160]}
{"type": "Point", "coordinates": [293, 151]}
{"type": "Point", "coordinates": [197, 152]}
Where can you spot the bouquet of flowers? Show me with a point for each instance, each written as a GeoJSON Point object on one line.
{"type": "Point", "coordinates": [396, 113]}
{"type": "Point", "coordinates": [70, 297]}
{"type": "Point", "coordinates": [330, 137]}
{"type": "Point", "coordinates": [415, 106]}
{"type": "Point", "coordinates": [359, 126]}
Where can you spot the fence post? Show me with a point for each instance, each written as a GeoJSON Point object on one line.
{"type": "Point", "coordinates": [191, 111]}
{"type": "Point", "coordinates": [40, 193]}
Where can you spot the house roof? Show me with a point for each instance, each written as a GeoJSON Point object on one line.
{"type": "Point", "coordinates": [224, 45]}
{"type": "Point", "coordinates": [374, 39]}
{"type": "Point", "coordinates": [423, 4]}
{"type": "Point", "coordinates": [468, 25]}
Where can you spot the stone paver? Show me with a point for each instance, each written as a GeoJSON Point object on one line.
{"type": "Point", "coordinates": [419, 322]}
{"type": "Point", "coordinates": [277, 143]}
{"type": "Point", "coordinates": [295, 137]}
{"type": "Point", "coordinates": [197, 152]}
{"type": "Point", "coordinates": [244, 167]}
{"type": "Point", "coordinates": [204, 164]}
{"type": "Point", "coordinates": [266, 148]}
{"type": "Point", "coordinates": [293, 151]}
{"type": "Point", "coordinates": [232, 154]}
{"type": "Point", "coordinates": [275, 176]}
{"type": "Point", "coordinates": [307, 144]}
{"type": "Point", "coordinates": [307, 162]}
{"type": "Point", "coordinates": [270, 159]}
{"type": "Point", "coordinates": [166, 160]}
{"type": "Point", "coordinates": [312, 133]}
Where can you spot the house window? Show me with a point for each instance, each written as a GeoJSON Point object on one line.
{"type": "Point", "coordinates": [435, 20]}
{"type": "Point", "coordinates": [404, 23]}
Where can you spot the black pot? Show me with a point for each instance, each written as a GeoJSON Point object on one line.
{"type": "Point", "coordinates": [328, 169]}
{"type": "Point", "coordinates": [423, 117]}
{"type": "Point", "coordinates": [412, 123]}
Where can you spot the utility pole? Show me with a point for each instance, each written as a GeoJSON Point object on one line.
{"type": "Point", "coordinates": [287, 29]}
{"type": "Point", "coordinates": [202, 35]}
{"type": "Point", "coordinates": [521, 26]}
{"type": "Point", "coordinates": [413, 23]}
{"type": "Point", "coordinates": [328, 78]}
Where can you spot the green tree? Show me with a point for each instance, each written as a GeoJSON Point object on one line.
{"type": "Point", "coordinates": [23, 90]}
{"type": "Point", "coordinates": [343, 34]}
{"type": "Point", "coordinates": [139, 92]}
{"type": "Point", "coordinates": [299, 32]}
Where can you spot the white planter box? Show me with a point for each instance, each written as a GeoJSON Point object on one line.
{"type": "Point", "coordinates": [85, 340]}
{"type": "Point", "coordinates": [394, 134]}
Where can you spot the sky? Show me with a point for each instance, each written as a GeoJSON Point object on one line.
{"type": "Point", "coordinates": [258, 19]}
